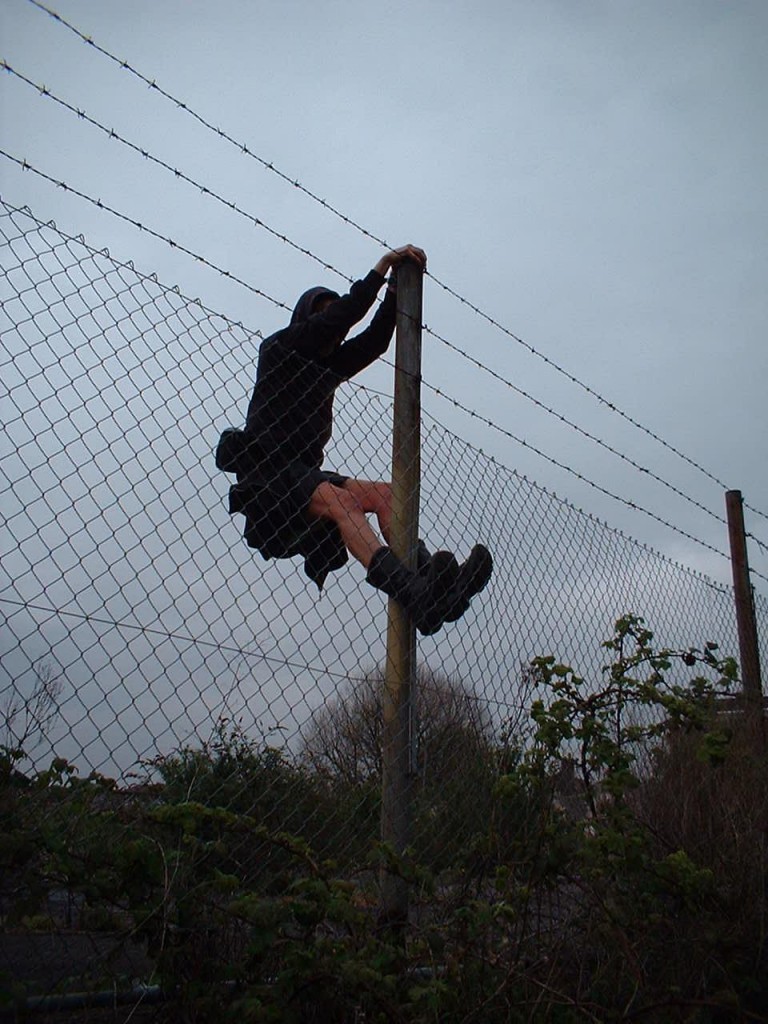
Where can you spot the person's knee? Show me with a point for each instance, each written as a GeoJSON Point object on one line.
{"type": "Point", "coordinates": [384, 500]}
{"type": "Point", "coordinates": [372, 495]}
{"type": "Point", "coordinates": [385, 493]}
{"type": "Point", "coordinates": [346, 504]}
{"type": "Point", "coordinates": [331, 502]}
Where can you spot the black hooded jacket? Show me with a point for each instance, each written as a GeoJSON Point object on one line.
{"type": "Point", "coordinates": [278, 456]}
{"type": "Point", "coordinates": [290, 415]}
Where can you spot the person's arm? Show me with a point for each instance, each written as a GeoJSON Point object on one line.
{"type": "Point", "coordinates": [357, 353]}
{"type": "Point", "coordinates": [316, 336]}
{"type": "Point", "coordinates": [393, 259]}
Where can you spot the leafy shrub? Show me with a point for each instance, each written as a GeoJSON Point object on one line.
{"type": "Point", "coordinates": [613, 867]}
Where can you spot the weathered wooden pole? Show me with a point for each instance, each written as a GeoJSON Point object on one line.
{"type": "Point", "coordinates": [400, 677]}
{"type": "Point", "coordinates": [745, 610]}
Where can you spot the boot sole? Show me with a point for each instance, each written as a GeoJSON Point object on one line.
{"type": "Point", "coordinates": [443, 575]}
{"type": "Point", "coordinates": [474, 576]}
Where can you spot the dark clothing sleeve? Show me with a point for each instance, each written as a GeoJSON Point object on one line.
{"type": "Point", "coordinates": [312, 336]}
{"type": "Point", "coordinates": [357, 353]}
{"type": "Point", "coordinates": [290, 414]}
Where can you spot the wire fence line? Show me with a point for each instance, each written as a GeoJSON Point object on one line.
{"type": "Point", "coordinates": [175, 171]}
{"type": "Point", "coordinates": [139, 634]}
{"type": "Point", "coordinates": [258, 222]}
{"type": "Point", "coordinates": [243, 148]}
{"type": "Point", "coordinates": [635, 506]}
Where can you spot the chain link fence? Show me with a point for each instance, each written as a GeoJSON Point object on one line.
{"type": "Point", "coordinates": [147, 651]}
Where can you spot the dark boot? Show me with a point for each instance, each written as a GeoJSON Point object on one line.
{"type": "Point", "coordinates": [426, 598]}
{"type": "Point", "coordinates": [423, 557]}
{"type": "Point", "coordinates": [473, 576]}
{"type": "Point", "coordinates": [441, 566]}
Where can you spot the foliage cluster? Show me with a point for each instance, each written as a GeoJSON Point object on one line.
{"type": "Point", "coordinates": [611, 867]}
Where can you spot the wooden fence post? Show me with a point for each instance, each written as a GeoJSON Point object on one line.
{"type": "Point", "coordinates": [400, 678]}
{"type": "Point", "coordinates": [745, 612]}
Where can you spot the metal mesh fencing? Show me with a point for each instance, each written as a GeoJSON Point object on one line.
{"type": "Point", "coordinates": [144, 643]}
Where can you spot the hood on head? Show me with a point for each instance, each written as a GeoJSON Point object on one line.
{"type": "Point", "coordinates": [306, 304]}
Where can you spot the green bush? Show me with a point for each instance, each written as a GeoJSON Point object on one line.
{"type": "Point", "coordinates": [612, 867]}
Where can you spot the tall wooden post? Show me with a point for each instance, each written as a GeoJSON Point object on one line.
{"type": "Point", "coordinates": [397, 739]}
{"type": "Point", "coordinates": [745, 610]}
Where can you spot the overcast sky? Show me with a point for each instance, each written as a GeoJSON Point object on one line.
{"type": "Point", "coordinates": [589, 174]}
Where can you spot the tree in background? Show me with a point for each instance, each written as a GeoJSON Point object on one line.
{"type": "Point", "coordinates": [457, 758]}
{"type": "Point", "coordinates": [25, 719]}
{"type": "Point", "coordinates": [343, 740]}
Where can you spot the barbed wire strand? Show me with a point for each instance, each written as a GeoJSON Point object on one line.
{"type": "Point", "coordinates": [592, 437]}
{"type": "Point", "coordinates": [258, 222]}
{"type": "Point", "coordinates": [580, 476]}
{"type": "Point", "coordinates": [25, 165]}
{"type": "Point", "coordinates": [127, 265]}
{"type": "Point", "coordinates": [112, 134]}
{"type": "Point", "coordinates": [594, 394]}
{"type": "Point", "coordinates": [295, 183]}
{"type": "Point", "coordinates": [565, 503]}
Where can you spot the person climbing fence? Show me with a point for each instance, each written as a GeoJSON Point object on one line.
{"type": "Point", "coordinates": [292, 506]}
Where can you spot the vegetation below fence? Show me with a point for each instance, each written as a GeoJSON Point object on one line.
{"type": "Point", "coordinates": [610, 865]}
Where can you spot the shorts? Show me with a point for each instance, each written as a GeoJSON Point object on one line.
{"type": "Point", "coordinates": [274, 500]}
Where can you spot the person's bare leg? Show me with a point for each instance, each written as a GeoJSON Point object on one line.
{"type": "Point", "coordinates": [342, 507]}
{"type": "Point", "coordinates": [375, 497]}
{"type": "Point", "coordinates": [427, 599]}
